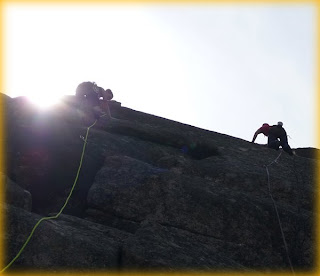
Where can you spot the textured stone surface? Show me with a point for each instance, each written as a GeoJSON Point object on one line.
{"type": "Point", "coordinates": [61, 244]}
{"type": "Point", "coordinates": [152, 194]}
{"type": "Point", "coordinates": [15, 195]}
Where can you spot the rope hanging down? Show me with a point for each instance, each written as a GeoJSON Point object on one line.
{"type": "Point", "coordinates": [74, 184]}
{"type": "Point", "coordinates": [276, 209]}
{"type": "Point", "coordinates": [63, 207]}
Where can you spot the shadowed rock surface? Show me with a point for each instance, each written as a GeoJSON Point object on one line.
{"type": "Point", "coordinates": [152, 194]}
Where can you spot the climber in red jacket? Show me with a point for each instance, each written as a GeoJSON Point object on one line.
{"type": "Point", "coordinates": [277, 136]}
{"type": "Point", "coordinates": [264, 129]}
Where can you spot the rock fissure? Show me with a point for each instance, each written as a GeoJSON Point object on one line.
{"type": "Point", "coordinates": [151, 194]}
{"type": "Point", "coordinates": [195, 233]}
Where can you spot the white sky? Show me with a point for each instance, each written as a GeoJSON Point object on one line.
{"type": "Point", "coordinates": [226, 68]}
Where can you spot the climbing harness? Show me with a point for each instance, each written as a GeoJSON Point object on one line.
{"type": "Point", "coordinates": [276, 209]}
{"type": "Point", "coordinates": [64, 205]}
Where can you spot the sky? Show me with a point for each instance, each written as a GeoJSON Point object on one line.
{"type": "Point", "coordinates": [225, 68]}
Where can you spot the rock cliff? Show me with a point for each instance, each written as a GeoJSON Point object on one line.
{"type": "Point", "coordinates": [152, 194]}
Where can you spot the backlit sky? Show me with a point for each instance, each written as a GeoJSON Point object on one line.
{"type": "Point", "coordinates": [226, 68]}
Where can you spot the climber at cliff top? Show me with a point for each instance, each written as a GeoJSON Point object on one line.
{"type": "Point", "coordinates": [277, 137]}
{"type": "Point", "coordinates": [89, 94]}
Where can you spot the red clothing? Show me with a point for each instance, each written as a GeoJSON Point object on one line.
{"type": "Point", "coordinates": [264, 129]}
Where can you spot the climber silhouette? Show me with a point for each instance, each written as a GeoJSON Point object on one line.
{"type": "Point", "coordinates": [89, 94]}
{"type": "Point", "coordinates": [277, 137]}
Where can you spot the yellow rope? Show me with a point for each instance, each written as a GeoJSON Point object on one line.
{"type": "Point", "coordinates": [64, 206]}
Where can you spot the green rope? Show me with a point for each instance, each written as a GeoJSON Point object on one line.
{"type": "Point", "coordinates": [277, 213]}
{"type": "Point", "coordinates": [63, 207]}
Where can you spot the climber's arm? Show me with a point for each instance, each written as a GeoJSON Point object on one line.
{"type": "Point", "coordinates": [256, 134]}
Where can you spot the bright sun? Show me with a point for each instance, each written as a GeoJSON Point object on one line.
{"type": "Point", "coordinates": [44, 101]}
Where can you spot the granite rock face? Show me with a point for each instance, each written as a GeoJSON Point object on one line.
{"type": "Point", "coordinates": [152, 194]}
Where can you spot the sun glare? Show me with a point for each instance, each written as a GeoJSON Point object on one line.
{"type": "Point", "coordinates": [43, 101]}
